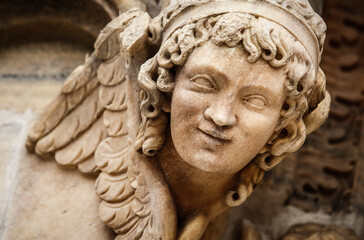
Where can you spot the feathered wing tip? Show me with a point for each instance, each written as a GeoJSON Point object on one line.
{"type": "Point", "coordinates": [70, 128]}
{"type": "Point", "coordinates": [92, 125]}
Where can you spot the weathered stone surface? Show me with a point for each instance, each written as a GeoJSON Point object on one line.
{"type": "Point", "coordinates": [40, 200]}
{"type": "Point", "coordinates": [32, 74]}
{"type": "Point", "coordinates": [41, 43]}
{"type": "Point", "coordinates": [182, 114]}
{"type": "Point", "coordinates": [275, 221]}
{"type": "Point", "coordinates": [320, 232]}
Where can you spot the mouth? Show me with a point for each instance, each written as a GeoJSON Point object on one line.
{"type": "Point", "coordinates": [215, 135]}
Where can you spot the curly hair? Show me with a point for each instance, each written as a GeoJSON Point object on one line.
{"type": "Point", "coordinates": [260, 38]}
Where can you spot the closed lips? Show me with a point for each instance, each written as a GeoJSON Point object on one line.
{"type": "Point", "coordinates": [215, 134]}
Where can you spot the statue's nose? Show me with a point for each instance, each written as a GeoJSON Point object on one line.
{"type": "Point", "coordinates": [221, 113]}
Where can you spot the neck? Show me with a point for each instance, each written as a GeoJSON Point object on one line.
{"type": "Point", "coordinates": [192, 188]}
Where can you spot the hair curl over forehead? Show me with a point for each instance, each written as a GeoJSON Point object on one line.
{"type": "Point", "coordinates": [260, 38]}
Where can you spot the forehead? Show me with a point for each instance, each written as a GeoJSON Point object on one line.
{"type": "Point", "coordinates": [232, 64]}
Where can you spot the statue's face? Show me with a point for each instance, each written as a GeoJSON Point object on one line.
{"type": "Point", "coordinates": [224, 109]}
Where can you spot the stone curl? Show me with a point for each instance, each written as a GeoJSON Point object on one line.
{"type": "Point", "coordinates": [260, 38]}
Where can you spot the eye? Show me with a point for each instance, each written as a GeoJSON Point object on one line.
{"type": "Point", "coordinates": [204, 82]}
{"type": "Point", "coordinates": [255, 101]}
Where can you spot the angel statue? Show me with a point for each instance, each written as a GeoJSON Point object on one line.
{"type": "Point", "coordinates": [180, 115]}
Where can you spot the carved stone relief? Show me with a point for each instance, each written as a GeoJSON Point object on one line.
{"type": "Point", "coordinates": [329, 169]}
{"type": "Point", "coordinates": [317, 232]}
{"type": "Point", "coordinates": [179, 116]}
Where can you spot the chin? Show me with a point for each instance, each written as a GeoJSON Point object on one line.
{"type": "Point", "coordinates": [208, 161]}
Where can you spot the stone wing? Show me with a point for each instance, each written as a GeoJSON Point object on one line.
{"type": "Point", "coordinates": [71, 127]}
{"type": "Point", "coordinates": [92, 125]}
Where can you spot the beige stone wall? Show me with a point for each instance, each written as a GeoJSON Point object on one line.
{"type": "Point", "coordinates": [38, 199]}
{"type": "Point", "coordinates": [41, 42]}
{"type": "Point", "coordinates": [41, 200]}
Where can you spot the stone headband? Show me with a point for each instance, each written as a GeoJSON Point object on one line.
{"type": "Point", "coordinates": [283, 17]}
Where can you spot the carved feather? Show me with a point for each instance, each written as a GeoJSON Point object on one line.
{"type": "Point", "coordinates": [71, 126]}
{"type": "Point", "coordinates": [121, 217]}
{"type": "Point", "coordinates": [88, 167]}
{"type": "Point", "coordinates": [83, 147]}
{"type": "Point", "coordinates": [114, 124]}
{"type": "Point", "coordinates": [76, 97]}
{"type": "Point", "coordinates": [51, 116]}
{"type": "Point", "coordinates": [114, 187]}
{"type": "Point", "coordinates": [111, 155]}
{"type": "Point", "coordinates": [107, 44]}
{"type": "Point", "coordinates": [81, 75]}
{"type": "Point", "coordinates": [56, 111]}
{"type": "Point", "coordinates": [122, 208]}
{"type": "Point", "coordinates": [113, 98]}
{"type": "Point", "coordinates": [112, 71]}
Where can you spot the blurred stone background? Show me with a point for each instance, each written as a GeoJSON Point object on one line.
{"type": "Point", "coordinates": [42, 41]}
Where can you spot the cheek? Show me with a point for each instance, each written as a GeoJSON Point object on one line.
{"type": "Point", "coordinates": [256, 129]}
{"type": "Point", "coordinates": [251, 136]}
{"type": "Point", "coordinates": [265, 122]}
{"type": "Point", "coordinates": [186, 106]}
{"type": "Point", "coordinates": [182, 110]}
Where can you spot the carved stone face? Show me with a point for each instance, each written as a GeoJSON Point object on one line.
{"type": "Point", "coordinates": [224, 109]}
